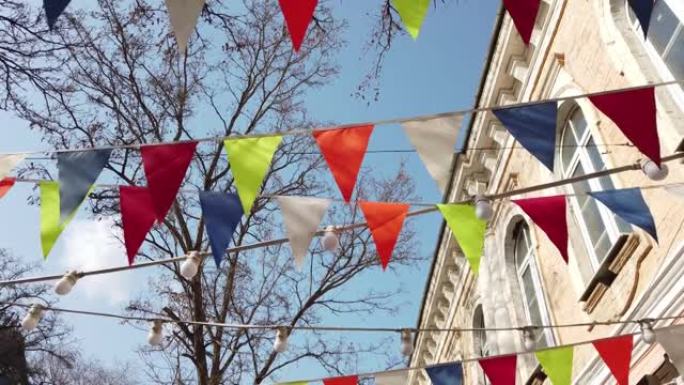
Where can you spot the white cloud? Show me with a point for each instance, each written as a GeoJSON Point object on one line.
{"type": "Point", "coordinates": [92, 245]}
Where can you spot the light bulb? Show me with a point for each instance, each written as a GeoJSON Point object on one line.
{"type": "Point", "coordinates": [530, 339]}
{"type": "Point", "coordinates": [280, 343]}
{"type": "Point", "coordinates": [483, 208]}
{"type": "Point", "coordinates": [406, 342]}
{"type": "Point", "coordinates": [331, 241]}
{"type": "Point", "coordinates": [190, 266]}
{"type": "Point", "coordinates": [66, 283]}
{"type": "Point", "coordinates": [155, 337]}
{"type": "Point", "coordinates": [647, 333]}
{"type": "Point", "coordinates": [653, 172]}
{"type": "Point", "coordinates": [33, 317]}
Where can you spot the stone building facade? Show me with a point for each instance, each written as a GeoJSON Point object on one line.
{"type": "Point", "coordinates": [615, 272]}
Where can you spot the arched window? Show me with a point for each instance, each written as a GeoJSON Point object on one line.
{"type": "Point", "coordinates": [529, 281]}
{"type": "Point", "coordinates": [665, 41]}
{"type": "Point", "coordinates": [480, 341]}
{"type": "Point", "coordinates": [580, 155]}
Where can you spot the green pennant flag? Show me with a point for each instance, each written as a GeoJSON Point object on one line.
{"type": "Point", "coordinates": [557, 364]}
{"type": "Point", "coordinates": [412, 13]}
{"type": "Point", "coordinates": [50, 225]}
{"type": "Point", "coordinates": [468, 230]}
{"type": "Point", "coordinates": [249, 160]}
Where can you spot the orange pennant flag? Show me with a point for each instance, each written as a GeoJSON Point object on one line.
{"type": "Point", "coordinates": [385, 221]}
{"type": "Point", "coordinates": [5, 185]}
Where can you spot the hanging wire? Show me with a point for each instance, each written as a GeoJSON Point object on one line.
{"type": "Point", "coordinates": [300, 132]}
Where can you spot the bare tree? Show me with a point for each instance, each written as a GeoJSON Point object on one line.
{"type": "Point", "coordinates": [121, 82]}
{"type": "Point", "coordinates": [83, 372]}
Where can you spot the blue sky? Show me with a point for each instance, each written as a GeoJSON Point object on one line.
{"type": "Point", "coordinates": [438, 72]}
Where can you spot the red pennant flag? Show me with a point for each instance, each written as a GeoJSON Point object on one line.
{"type": "Point", "coordinates": [298, 15]}
{"type": "Point", "coordinates": [6, 185]}
{"type": "Point", "coordinates": [524, 14]}
{"type": "Point", "coordinates": [385, 221]}
{"type": "Point", "coordinates": [165, 167]}
{"type": "Point", "coordinates": [549, 214]}
{"type": "Point", "coordinates": [349, 380]}
{"type": "Point", "coordinates": [500, 370]}
{"type": "Point", "coordinates": [617, 353]}
{"type": "Point", "coordinates": [137, 216]}
{"type": "Point", "coordinates": [634, 112]}
{"type": "Point", "coordinates": [343, 150]}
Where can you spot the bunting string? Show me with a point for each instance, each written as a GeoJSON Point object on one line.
{"type": "Point", "coordinates": [304, 132]}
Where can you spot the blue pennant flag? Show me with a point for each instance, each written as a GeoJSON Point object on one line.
{"type": "Point", "coordinates": [54, 8]}
{"type": "Point", "coordinates": [447, 374]}
{"type": "Point", "coordinates": [629, 205]}
{"type": "Point", "coordinates": [643, 10]}
{"type": "Point", "coordinates": [222, 214]}
{"type": "Point", "coordinates": [77, 173]}
{"type": "Point", "coordinates": [534, 126]}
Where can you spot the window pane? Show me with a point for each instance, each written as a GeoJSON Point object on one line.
{"type": "Point", "coordinates": [521, 245]}
{"type": "Point", "coordinates": [675, 57]}
{"type": "Point", "coordinates": [531, 298]}
{"type": "Point", "coordinates": [569, 147]}
{"type": "Point", "coordinates": [662, 27]}
{"type": "Point", "coordinates": [580, 123]}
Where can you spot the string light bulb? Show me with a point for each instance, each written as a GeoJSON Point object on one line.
{"type": "Point", "coordinates": [280, 343]}
{"type": "Point", "coordinates": [190, 266]}
{"type": "Point", "coordinates": [331, 239]}
{"type": "Point", "coordinates": [529, 339]}
{"type": "Point", "coordinates": [156, 336]}
{"type": "Point", "coordinates": [32, 318]}
{"type": "Point", "coordinates": [66, 283]}
{"type": "Point", "coordinates": [647, 333]}
{"type": "Point", "coordinates": [406, 342]}
{"type": "Point", "coordinates": [483, 208]}
{"type": "Point", "coordinates": [653, 172]}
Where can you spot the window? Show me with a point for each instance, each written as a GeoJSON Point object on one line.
{"type": "Point", "coordinates": [480, 341]}
{"type": "Point", "coordinates": [665, 41]}
{"type": "Point", "coordinates": [530, 282]}
{"type": "Point", "coordinates": [599, 227]}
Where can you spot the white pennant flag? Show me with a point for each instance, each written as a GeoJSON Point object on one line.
{"type": "Point", "coordinates": [302, 216]}
{"type": "Point", "coordinates": [672, 340]}
{"type": "Point", "coordinates": [184, 15]}
{"type": "Point", "coordinates": [392, 378]}
{"type": "Point", "coordinates": [435, 139]}
{"type": "Point", "coordinates": [9, 162]}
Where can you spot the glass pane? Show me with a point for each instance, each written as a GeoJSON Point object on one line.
{"type": "Point", "coordinates": [675, 57]}
{"type": "Point", "coordinates": [521, 245]}
{"type": "Point", "coordinates": [580, 123]}
{"type": "Point", "coordinates": [602, 247]}
{"type": "Point", "coordinates": [531, 298]}
{"type": "Point", "coordinates": [569, 147]}
{"type": "Point", "coordinates": [662, 27]}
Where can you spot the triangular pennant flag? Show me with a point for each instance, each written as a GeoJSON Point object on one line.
{"type": "Point", "coordinates": [137, 216]}
{"type": "Point", "coordinates": [557, 364]}
{"type": "Point", "coordinates": [165, 167]}
{"type": "Point", "coordinates": [385, 221]}
{"type": "Point", "coordinates": [446, 374]}
{"type": "Point", "coordinates": [534, 126]}
{"type": "Point", "coordinates": [672, 340]}
{"type": "Point", "coordinates": [629, 204]}
{"type": "Point", "coordinates": [250, 160]}
{"type": "Point", "coordinates": [50, 224]}
{"type": "Point", "coordinates": [344, 150]}
{"type": "Point", "coordinates": [54, 8]}
{"type": "Point", "coordinates": [6, 185]}
{"type": "Point", "coordinates": [435, 139]}
{"type": "Point", "coordinates": [298, 15]}
{"type": "Point", "coordinates": [301, 215]}
{"type": "Point", "coordinates": [524, 14]}
{"type": "Point", "coordinates": [500, 370]}
{"type": "Point", "coordinates": [183, 15]}
{"type": "Point", "coordinates": [468, 230]}
{"type": "Point", "coordinates": [77, 173]}
{"type": "Point", "coordinates": [222, 214]}
{"type": "Point", "coordinates": [8, 163]}
{"type": "Point", "coordinates": [634, 112]}
{"type": "Point", "coordinates": [392, 378]}
{"type": "Point", "coordinates": [643, 9]}
{"type": "Point", "coordinates": [348, 380]}
{"type": "Point", "coordinates": [617, 353]}
{"type": "Point", "coordinates": [412, 13]}
{"type": "Point", "coordinates": [549, 213]}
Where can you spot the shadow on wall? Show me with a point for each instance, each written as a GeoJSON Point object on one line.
{"type": "Point", "coordinates": [13, 368]}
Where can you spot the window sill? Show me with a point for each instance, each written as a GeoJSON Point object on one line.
{"type": "Point", "coordinates": [621, 252]}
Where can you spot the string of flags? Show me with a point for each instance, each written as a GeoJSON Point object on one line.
{"type": "Point", "coordinates": [298, 15]}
